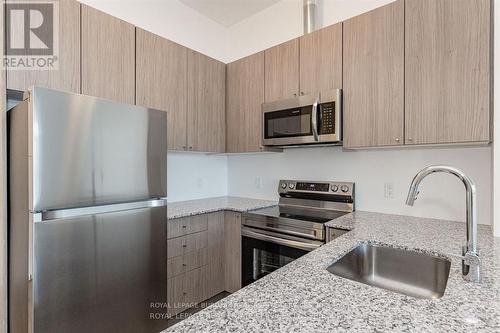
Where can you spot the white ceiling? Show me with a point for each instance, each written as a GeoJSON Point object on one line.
{"type": "Point", "coordinates": [228, 12]}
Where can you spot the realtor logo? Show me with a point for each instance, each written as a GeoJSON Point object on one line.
{"type": "Point", "coordinates": [32, 35]}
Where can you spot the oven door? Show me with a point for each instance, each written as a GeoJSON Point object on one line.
{"type": "Point", "coordinates": [264, 252]}
{"type": "Point", "coordinates": [291, 121]}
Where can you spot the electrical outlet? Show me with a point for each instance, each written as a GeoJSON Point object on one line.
{"type": "Point", "coordinates": [258, 183]}
{"type": "Point", "coordinates": [389, 190]}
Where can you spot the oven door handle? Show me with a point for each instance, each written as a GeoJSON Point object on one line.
{"type": "Point", "coordinates": [280, 241]}
{"type": "Point", "coordinates": [314, 119]}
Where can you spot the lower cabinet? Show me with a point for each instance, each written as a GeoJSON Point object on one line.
{"type": "Point", "coordinates": [197, 265]}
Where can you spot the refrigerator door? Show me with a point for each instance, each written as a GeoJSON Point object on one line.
{"type": "Point", "coordinates": [101, 272]}
{"type": "Point", "coordinates": [87, 151]}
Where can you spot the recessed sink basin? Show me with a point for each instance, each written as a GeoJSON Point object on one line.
{"type": "Point", "coordinates": [406, 272]}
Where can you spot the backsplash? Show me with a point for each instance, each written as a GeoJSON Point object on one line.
{"type": "Point", "coordinates": [382, 177]}
{"type": "Point", "coordinates": [195, 176]}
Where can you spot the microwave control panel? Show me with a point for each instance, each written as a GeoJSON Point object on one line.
{"type": "Point", "coordinates": [327, 123]}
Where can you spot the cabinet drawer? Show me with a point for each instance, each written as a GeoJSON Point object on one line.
{"type": "Point", "coordinates": [176, 294]}
{"type": "Point", "coordinates": [185, 244]}
{"type": "Point", "coordinates": [186, 289]}
{"type": "Point", "coordinates": [186, 262]}
{"type": "Point", "coordinates": [187, 225]}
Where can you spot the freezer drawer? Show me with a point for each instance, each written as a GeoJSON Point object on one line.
{"type": "Point", "coordinates": [87, 151]}
{"type": "Point", "coordinates": [99, 273]}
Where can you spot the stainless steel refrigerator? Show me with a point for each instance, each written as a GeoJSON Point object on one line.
{"type": "Point", "coordinates": [87, 214]}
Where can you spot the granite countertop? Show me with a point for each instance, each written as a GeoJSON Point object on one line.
{"type": "Point", "coordinates": [209, 205]}
{"type": "Point", "coordinates": [304, 297]}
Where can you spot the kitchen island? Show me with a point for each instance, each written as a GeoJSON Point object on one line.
{"type": "Point", "coordinates": [304, 297]}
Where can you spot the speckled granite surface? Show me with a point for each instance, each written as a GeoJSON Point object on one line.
{"type": "Point", "coordinates": [200, 206]}
{"type": "Point", "coordinates": [304, 297]}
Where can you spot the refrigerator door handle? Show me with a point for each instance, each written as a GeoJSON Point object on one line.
{"type": "Point", "coordinates": [91, 210]}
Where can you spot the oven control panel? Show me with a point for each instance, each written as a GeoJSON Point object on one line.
{"type": "Point", "coordinates": [289, 187]}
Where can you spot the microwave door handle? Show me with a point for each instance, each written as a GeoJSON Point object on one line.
{"type": "Point", "coordinates": [314, 119]}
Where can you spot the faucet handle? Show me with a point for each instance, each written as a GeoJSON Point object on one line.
{"type": "Point", "coordinates": [471, 259]}
{"type": "Point", "coordinates": [471, 265]}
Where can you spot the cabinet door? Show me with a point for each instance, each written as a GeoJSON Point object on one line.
{"type": "Point", "coordinates": [232, 251]}
{"type": "Point", "coordinates": [282, 71]}
{"type": "Point", "coordinates": [215, 265]}
{"type": "Point", "coordinates": [321, 60]}
{"type": "Point", "coordinates": [162, 82]}
{"type": "Point", "coordinates": [447, 74]}
{"type": "Point", "coordinates": [245, 95]}
{"type": "Point", "coordinates": [67, 76]}
{"type": "Point", "coordinates": [206, 103]}
{"type": "Point", "coordinates": [108, 56]}
{"type": "Point", "coordinates": [374, 77]}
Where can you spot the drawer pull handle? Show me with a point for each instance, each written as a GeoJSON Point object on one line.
{"type": "Point", "coordinates": [184, 245]}
{"type": "Point", "coordinates": [183, 265]}
{"type": "Point", "coordinates": [184, 293]}
{"type": "Point", "coordinates": [184, 227]}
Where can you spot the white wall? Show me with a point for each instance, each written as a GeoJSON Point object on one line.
{"type": "Point", "coordinates": [284, 21]}
{"type": "Point", "coordinates": [271, 26]}
{"type": "Point", "coordinates": [196, 176]}
{"type": "Point", "coordinates": [170, 19]}
{"type": "Point", "coordinates": [441, 195]}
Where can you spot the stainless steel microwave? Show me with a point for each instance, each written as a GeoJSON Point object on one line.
{"type": "Point", "coordinates": [307, 119]}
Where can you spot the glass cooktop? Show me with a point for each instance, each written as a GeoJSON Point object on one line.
{"type": "Point", "coordinates": [302, 214]}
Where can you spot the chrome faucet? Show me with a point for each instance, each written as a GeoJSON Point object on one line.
{"type": "Point", "coordinates": [471, 263]}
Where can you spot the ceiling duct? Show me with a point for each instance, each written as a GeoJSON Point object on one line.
{"type": "Point", "coordinates": [309, 16]}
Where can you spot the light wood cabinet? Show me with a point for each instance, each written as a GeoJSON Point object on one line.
{"type": "Point", "coordinates": [373, 77]}
{"type": "Point", "coordinates": [195, 259]}
{"type": "Point", "coordinates": [187, 262]}
{"type": "Point", "coordinates": [196, 285]}
{"type": "Point", "coordinates": [161, 69]}
{"type": "Point", "coordinates": [185, 244]}
{"type": "Point", "coordinates": [186, 289]}
{"type": "Point", "coordinates": [245, 95]}
{"type": "Point", "coordinates": [176, 294]}
{"type": "Point", "coordinates": [232, 251]}
{"type": "Point", "coordinates": [282, 71]}
{"type": "Point", "coordinates": [447, 71]}
{"type": "Point", "coordinates": [187, 225]}
{"type": "Point", "coordinates": [321, 60]}
{"type": "Point", "coordinates": [215, 265]}
{"type": "Point", "coordinates": [108, 56]}
{"type": "Point", "coordinates": [67, 76]}
{"type": "Point", "coordinates": [206, 103]}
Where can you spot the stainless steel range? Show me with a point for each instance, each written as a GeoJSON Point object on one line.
{"type": "Point", "coordinates": [273, 237]}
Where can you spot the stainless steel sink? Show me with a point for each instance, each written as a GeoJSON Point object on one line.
{"type": "Point", "coordinates": [406, 272]}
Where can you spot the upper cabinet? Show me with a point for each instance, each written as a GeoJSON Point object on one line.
{"type": "Point", "coordinates": [282, 71]}
{"type": "Point", "coordinates": [374, 77]}
{"type": "Point", "coordinates": [108, 56]}
{"type": "Point", "coordinates": [447, 71]}
{"type": "Point", "coordinates": [67, 76]}
{"type": "Point", "coordinates": [245, 95]}
{"type": "Point", "coordinates": [161, 70]}
{"type": "Point", "coordinates": [206, 87]}
{"type": "Point", "coordinates": [321, 60]}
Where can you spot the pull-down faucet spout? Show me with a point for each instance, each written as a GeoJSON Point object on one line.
{"type": "Point", "coordinates": [471, 262]}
